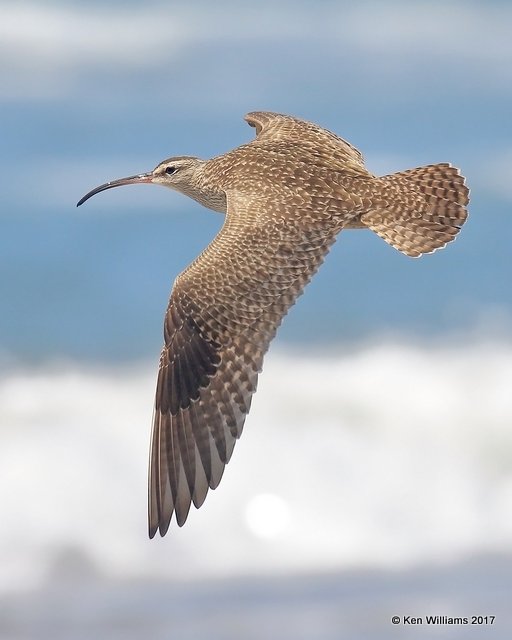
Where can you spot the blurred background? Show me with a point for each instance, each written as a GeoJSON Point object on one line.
{"type": "Point", "coordinates": [374, 476]}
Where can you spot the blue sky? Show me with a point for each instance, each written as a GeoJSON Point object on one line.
{"type": "Point", "coordinates": [91, 92]}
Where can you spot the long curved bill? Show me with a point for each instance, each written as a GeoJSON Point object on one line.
{"type": "Point", "coordinates": [140, 179]}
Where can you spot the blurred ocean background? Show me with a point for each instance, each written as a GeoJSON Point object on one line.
{"type": "Point", "coordinates": [374, 476]}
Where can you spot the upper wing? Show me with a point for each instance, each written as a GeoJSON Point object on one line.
{"type": "Point", "coordinates": [224, 310]}
{"type": "Point", "coordinates": [278, 127]}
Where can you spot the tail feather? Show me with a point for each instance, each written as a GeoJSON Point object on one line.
{"type": "Point", "coordinates": [420, 210]}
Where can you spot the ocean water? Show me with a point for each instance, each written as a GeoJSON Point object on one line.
{"type": "Point", "coordinates": [81, 104]}
{"type": "Point", "coordinates": [375, 479]}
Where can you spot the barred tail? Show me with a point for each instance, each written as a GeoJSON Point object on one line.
{"type": "Point", "coordinates": [419, 210]}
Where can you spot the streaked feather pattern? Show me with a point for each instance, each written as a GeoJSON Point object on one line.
{"type": "Point", "coordinates": [286, 196]}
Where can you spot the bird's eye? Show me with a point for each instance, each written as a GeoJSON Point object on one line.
{"type": "Point", "coordinates": [170, 170]}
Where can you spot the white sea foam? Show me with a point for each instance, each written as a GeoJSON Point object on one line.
{"type": "Point", "coordinates": [390, 456]}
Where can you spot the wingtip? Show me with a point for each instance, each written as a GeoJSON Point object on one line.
{"type": "Point", "coordinates": [182, 512]}
{"type": "Point", "coordinates": [164, 527]}
{"type": "Point", "coordinates": [162, 530]}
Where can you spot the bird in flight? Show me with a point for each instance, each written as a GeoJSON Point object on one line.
{"type": "Point", "coordinates": [286, 195]}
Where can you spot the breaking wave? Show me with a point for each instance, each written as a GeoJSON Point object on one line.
{"type": "Point", "coordinates": [389, 456]}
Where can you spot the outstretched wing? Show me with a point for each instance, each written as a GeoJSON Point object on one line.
{"type": "Point", "coordinates": [277, 127]}
{"type": "Point", "coordinates": [224, 310]}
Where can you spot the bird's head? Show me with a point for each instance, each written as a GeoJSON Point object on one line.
{"type": "Point", "coordinates": [180, 173]}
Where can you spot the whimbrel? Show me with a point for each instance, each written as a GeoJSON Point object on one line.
{"type": "Point", "coordinates": [286, 195]}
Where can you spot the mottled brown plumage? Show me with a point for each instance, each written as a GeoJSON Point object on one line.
{"type": "Point", "coordinates": [286, 195]}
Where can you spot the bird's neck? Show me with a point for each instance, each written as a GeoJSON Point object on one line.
{"type": "Point", "coordinates": [203, 190]}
